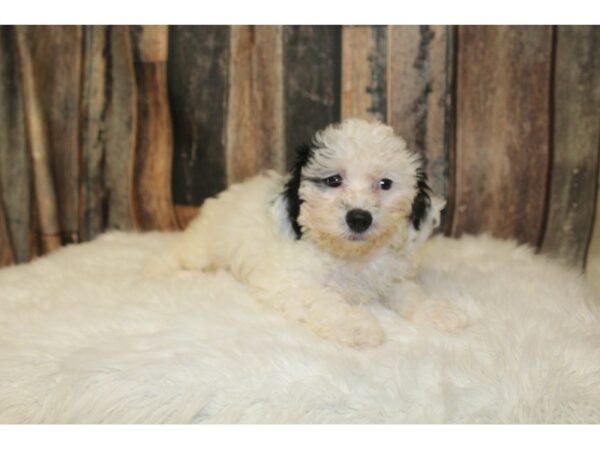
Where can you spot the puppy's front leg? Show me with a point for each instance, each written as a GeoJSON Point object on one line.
{"type": "Point", "coordinates": [327, 314]}
{"type": "Point", "coordinates": [410, 302]}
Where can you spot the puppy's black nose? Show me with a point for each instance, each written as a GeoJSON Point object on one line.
{"type": "Point", "coordinates": [359, 220]}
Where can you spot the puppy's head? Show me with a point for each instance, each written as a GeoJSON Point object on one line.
{"type": "Point", "coordinates": [356, 188]}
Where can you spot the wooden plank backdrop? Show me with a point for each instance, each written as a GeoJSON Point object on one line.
{"type": "Point", "coordinates": [116, 127]}
{"type": "Point", "coordinates": [107, 132]}
{"type": "Point", "coordinates": [198, 65]}
{"type": "Point", "coordinates": [254, 134]}
{"type": "Point", "coordinates": [576, 136]}
{"type": "Point", "coordinates": [38, 137]}
{"type": "Point", "coordinates": [15, 180]}
{"type": "Point", "coordinates": [51, 76]}
{"type": "Point", "coordinates": [151, 176]}
{"type": "Point", "coordinates": [364, 63]}
{"type": "Point", "coordinates": [312, 97]}
{"type": "Point", "coordinates": [420, 95]}
{"type": "Point", "coordinates": [502, 131]}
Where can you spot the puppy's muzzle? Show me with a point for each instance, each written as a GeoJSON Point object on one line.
{"type": "Point", "coordinates": [359, 220]}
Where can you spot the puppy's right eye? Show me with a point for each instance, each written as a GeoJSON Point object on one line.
{"type": "Point", "coordinates": [333, 181]}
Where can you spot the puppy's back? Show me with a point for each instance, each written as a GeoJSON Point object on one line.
{"type": "Point", "coordinates": [230, 230]}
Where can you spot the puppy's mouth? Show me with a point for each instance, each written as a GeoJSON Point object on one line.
{"type": "Point", "coordinates": [354, 236]}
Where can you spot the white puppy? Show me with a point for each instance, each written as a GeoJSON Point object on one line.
{"type": "Point", "coordinates": [335, 234]}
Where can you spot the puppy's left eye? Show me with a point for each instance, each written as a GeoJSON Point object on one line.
{"type": "Point", "coordinates": [385, 184]}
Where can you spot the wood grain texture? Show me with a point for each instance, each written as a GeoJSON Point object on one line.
{"type": "Point", "coordinates": [589, 130]}
{"type": "Point", "coordinates": [153, 205]}
{"type": "Point", "coordinates": [197, 77]}
{"type": "Point", "coordinates": [39, 145]}
{"type": "Point", "coordinates": [574, 170]}
{"type": "Point", "coordinates": [255, 128]}
{"type": "Point", "coordinates": [364, 67]}
{"type": "Point", "coordinates": [121, 126]}
{"type": "Point", "coordinates": [312, 67]}
{"type": "Point", "coordinates": [93, 140]}
{"type": "Point", "coordinates": [15, 167]}
{"type": "Point", "coordinates": [108, 112]}
{"type": "Point", "coordinates": [151, 43]}
{"type": "Point", "coordinates": [420, 91]}
{"type": "Point", "coordinates": [185, 214]}
{"type": "Point", "coordinates": [7, 256]}
{"type": "Point", "coordinates": [503, 126]}
{"type": "Point", "coordinates": [56, 53]}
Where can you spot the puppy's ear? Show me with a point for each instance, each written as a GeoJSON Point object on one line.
{"type": "Point", "coordinates": [293, 201]}
{"type": "Point", "coordinates": [422, 202]}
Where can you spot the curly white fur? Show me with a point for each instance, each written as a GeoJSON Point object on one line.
{"type": "Point", "coordinates": [324, 279]}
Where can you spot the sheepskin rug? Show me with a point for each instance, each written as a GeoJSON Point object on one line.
{"type": "Point", "coordinates": [84, 338]}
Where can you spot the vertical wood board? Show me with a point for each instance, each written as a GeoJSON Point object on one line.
{"type": "Point", "coordinates": [197, 76]}
{"type": "Point", "coordinates": [56, 53]}
{"type": "Point", "coordinates": [312, 68]}
{"type": "Point", "coordinates": [107, 130]}
{"type": "Point", "coordinates": [152, 201]}
{"type": "Point", "coordinates": [574, 170]}
{"type": "Point", "coordinates": [503, 130]}
{"type": "Point", "coordinates": [15, 167]}
{"type": "Point", "coordinates": [121, 126]}
{"type": "Point", "coordinates": [364, 67]}
{"type": "Point", "coordinates": [38, 143]}
{"type": "Point", "coordinates": [420, 91]}
{"type": "Point", "coordinates": [255, 126]}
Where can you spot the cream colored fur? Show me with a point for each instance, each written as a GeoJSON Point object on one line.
{"type": "Point", "coordinates": [324, 279]}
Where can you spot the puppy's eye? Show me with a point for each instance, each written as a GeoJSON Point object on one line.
{"type": "Point", "coordinates": [385, 184]}
{"type": "Point", "coordinates": [333, 181]}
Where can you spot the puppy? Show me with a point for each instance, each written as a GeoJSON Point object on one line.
{"type": "Point", "coordinates": [335, 234]}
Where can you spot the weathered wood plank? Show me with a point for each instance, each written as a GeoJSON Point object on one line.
{"type": "Point", "coordinates": [589, 130]}
{"type": "Point", "coordinates": [7, 255]}
{"type": "Point", "coordinates": [575, 143]}
{"type": "Point", "coordinates": [503, 128]}
{"type": "Point", "coordinates": [312, 66]}
{"type": "Point", "coordinates": [107, 130]}
{"type": "Point", "coordinates": [93, 142]}
{"type": "Point", "coordinates": [56, 53]}
{"type": "Point", "coordinates": [15, 167]}
{"type": "Point", "coordinates": [254, 129]}
{"type": "Point", "coordinates": [153, 205]}
{"type": "Point", "coordinates": [121, 121]}
{"type": "Point", "coordinates": [39, 145]}
{"type": "Point", "coordinates": [420, 89]}
{"type": "Point", "coordinates": [197, 77]}
{"type": "Point", "coordinates": [364, 66]}
{"type": "Point", "coordinates": [185, 214]}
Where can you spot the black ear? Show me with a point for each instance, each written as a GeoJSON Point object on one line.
{"type": "Point", "coordinates": [303, 154]}
{"type": "Point", "coordinates": [422, 202]}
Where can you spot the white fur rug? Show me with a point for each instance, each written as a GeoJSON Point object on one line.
{"type": "Point", "coordinates": [85, 339]}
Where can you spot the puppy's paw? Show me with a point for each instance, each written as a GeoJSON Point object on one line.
{"type": "Point", "coordinates": [440, 315]}
{"type": "Point", "coordinates": [358, 329]}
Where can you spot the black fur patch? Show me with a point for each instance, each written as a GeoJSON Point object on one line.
{"type": "Point", "coordinates": [422, 201]}
{"type": "Point", "coordinates": [290, 192]}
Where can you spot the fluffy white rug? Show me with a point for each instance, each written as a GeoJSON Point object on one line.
{"type": "Point", "coordinates": [84, 338]}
